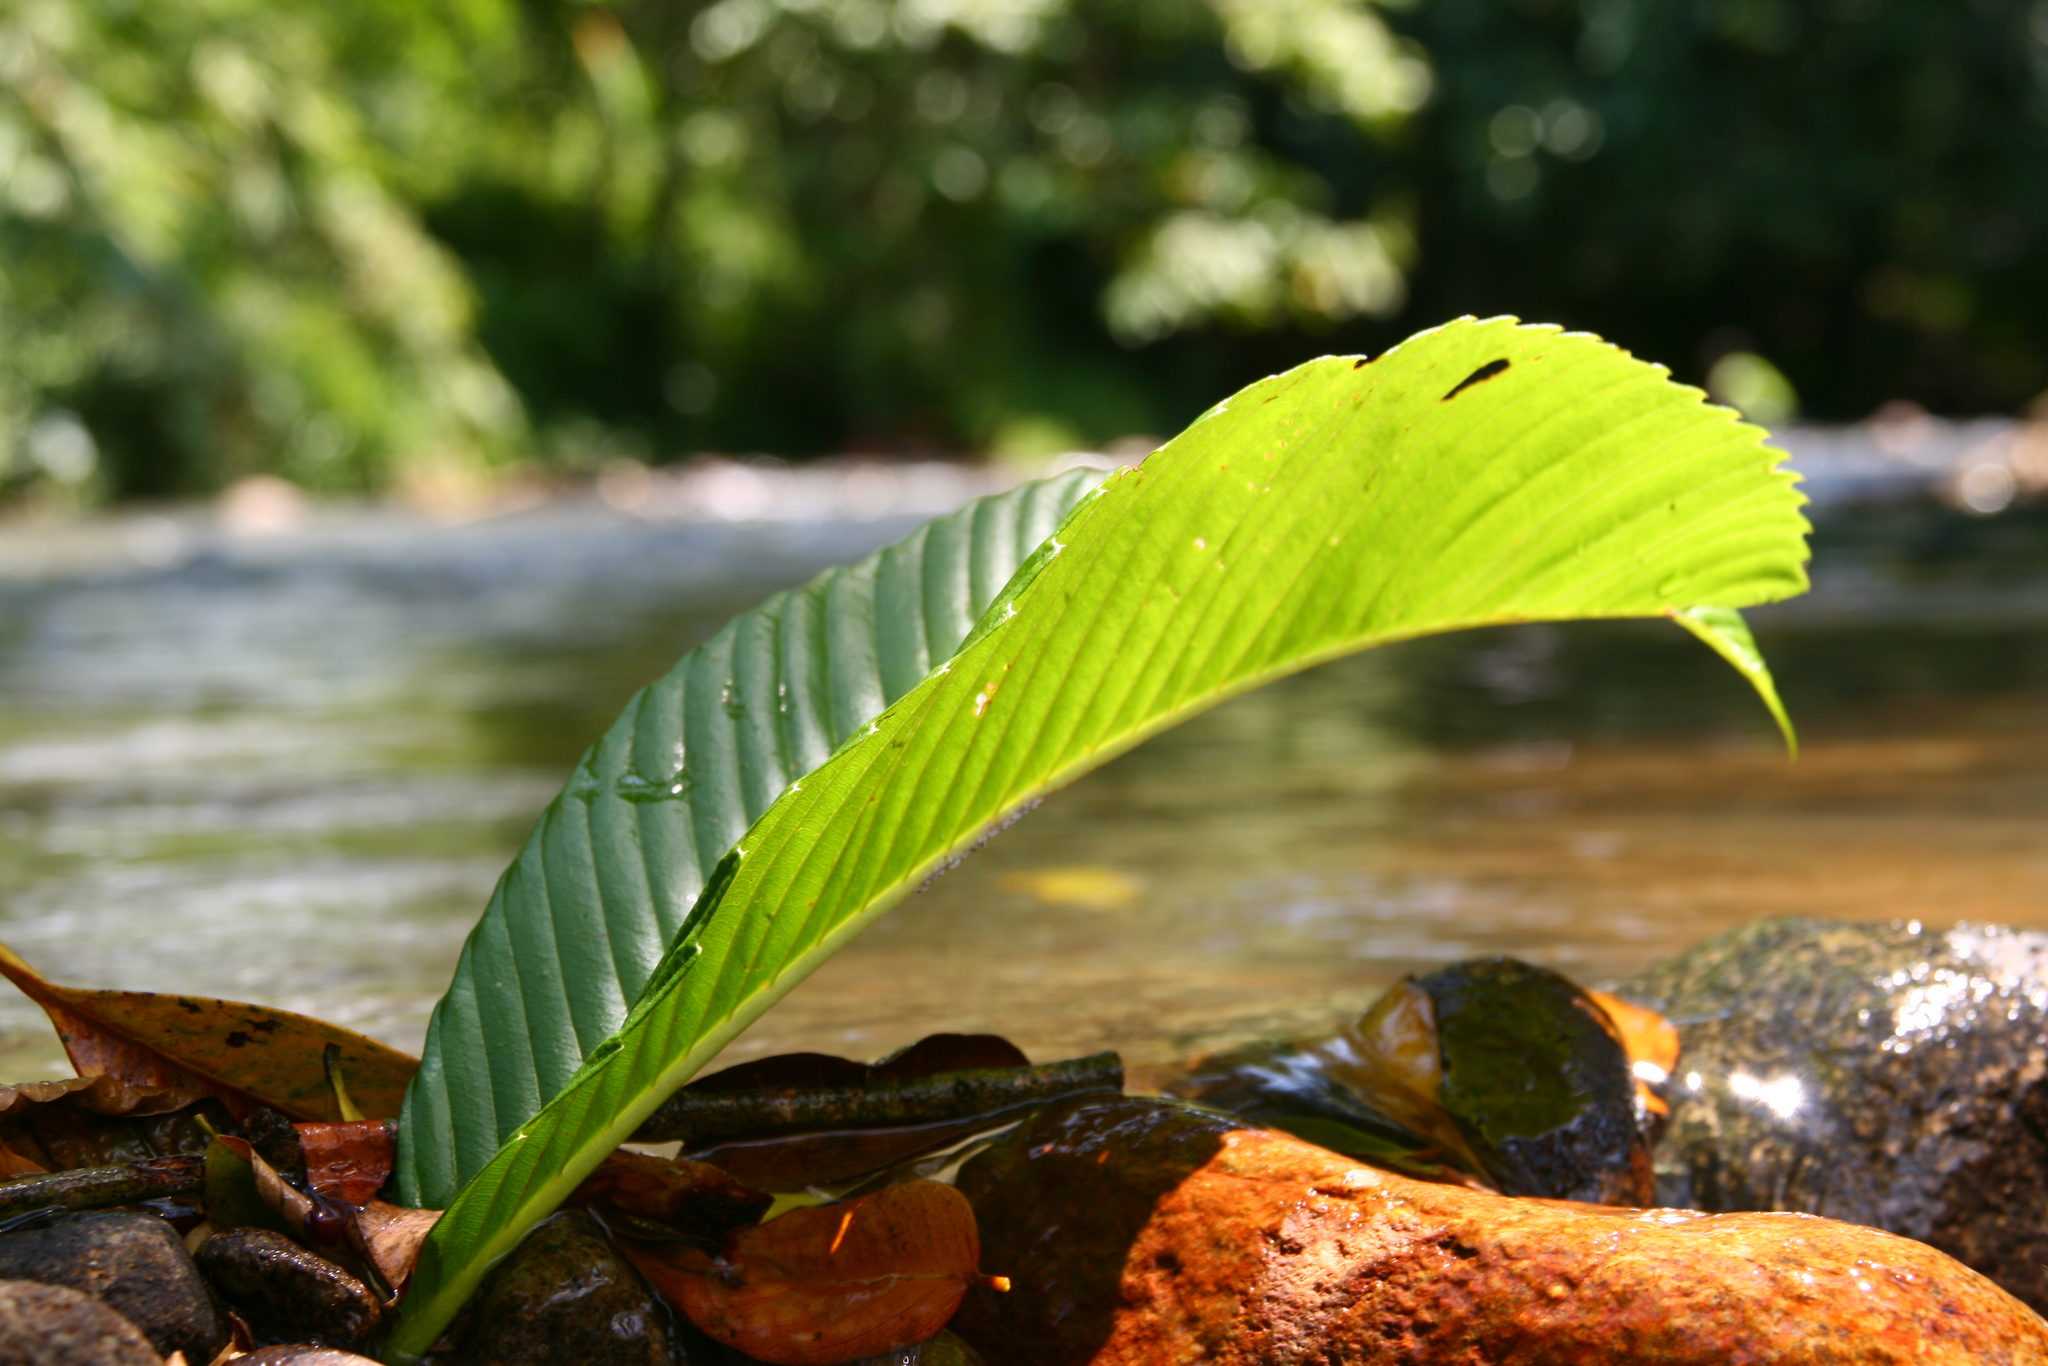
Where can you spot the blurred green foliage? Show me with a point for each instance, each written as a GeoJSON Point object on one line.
{"type": "Point", "coordinates": [207, 254]}
{"type": "Point", "coordinates": [366, 241]}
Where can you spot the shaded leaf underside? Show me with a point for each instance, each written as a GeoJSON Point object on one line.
{"type": "Point", "coordinates": [579, 921]}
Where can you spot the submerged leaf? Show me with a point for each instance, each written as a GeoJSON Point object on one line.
{"type": "Point", "coordinates": [1344, 504]}
{"type": "Point", "coordinates": [826, 1285]}
{"type": "Point", "coordinates": [1369, 1091]}
{"type": "Point", "coordinates": [246, 1055]}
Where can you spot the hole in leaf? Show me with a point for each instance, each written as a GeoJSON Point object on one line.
{"type": "Point", "coordinates": [1484, 372]}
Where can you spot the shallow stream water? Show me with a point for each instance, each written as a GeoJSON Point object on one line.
{"type": "Point", "coordinates": [289, 768]}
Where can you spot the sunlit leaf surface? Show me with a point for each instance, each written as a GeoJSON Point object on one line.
{"type": "Point", "coordinates": [1480, 473]}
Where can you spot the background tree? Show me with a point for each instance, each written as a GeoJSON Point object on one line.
{"type": "Point", "coordinates": [359, 243]}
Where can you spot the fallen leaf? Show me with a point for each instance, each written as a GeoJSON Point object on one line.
{"type": "Point", "coordinates": [245, 1055]}
{"type": "Point", "coordinates": [828, 1284]}
{"type": "Point", "coordinates": [392, 1235]}
{"type": "Point", "coordinates": [1646, 1036]}
{"type": "Point", "coordinates": [349, 1161]}
{"type": "Point", "coordinates": [691, 1199]}
{"type": "Point", "coordinates": [92, 1122]}
{"type": "Point", "coordinates": [798, 1162]}
{"type": "Point", "coordinates": [244, 1191]}
{"type": "Point", "coordinates": [1651, 1042]}
{"type": "Point", "coordinates": [936, 1053]}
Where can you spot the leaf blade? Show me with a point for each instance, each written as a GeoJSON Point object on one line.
{"type": "Point", "coordinates": [579, 922]}
{"type": "Point", "coordinates": [1176, 588]}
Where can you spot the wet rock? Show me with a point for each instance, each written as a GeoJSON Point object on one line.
{"type": "Point", "coordinates": [565, 1294]}
{"type": "Point", "coordinates": [302, 1354]}
{"type": "Point", "coordinates": [1494, 1068]}
{"type": "Point", "coordinates": [53, 1325]}
{"type": "Point", "coordinates": [286, 1293]}
{"type": "Point", "coordinates": [136, 1264]}
{"type": "Point", "coordinates": [1139, 1231]}
{"type": "Point", "coordinates": [1872, 1073]}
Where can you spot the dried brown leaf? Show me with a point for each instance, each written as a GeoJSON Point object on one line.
{"type": "Point", "coordinates": [246, 1055]}
{"type": "Point", "coordinates": [831, 1283]}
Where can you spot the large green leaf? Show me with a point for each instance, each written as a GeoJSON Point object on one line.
{"type": "Point", "coordinates": [1482, 472]}
{"type": "Point", "coordinates": [584, 914]}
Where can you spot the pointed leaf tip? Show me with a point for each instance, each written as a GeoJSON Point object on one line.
{"type": "Point", "coordinates": [1728, 636]}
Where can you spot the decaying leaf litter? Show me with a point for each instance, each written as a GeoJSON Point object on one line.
{"type": "Point", "coordinates": [860, 1251]}
{"type": "Point", "coordinates": [1443, 485]}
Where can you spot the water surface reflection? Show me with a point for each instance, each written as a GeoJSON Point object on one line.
{"type": "Point", "coordinates": [290, 772]}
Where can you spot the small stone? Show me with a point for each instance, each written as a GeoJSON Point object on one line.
{"type": "Point", "coordinates": [1872, 1073]}
{"type": "Point", "coordinates": [565, 1294]}
{"type": "Point", "coordinates": [302, 1354]}
{"type": "Point", "coordinates": [1137, 1231]}
{"type": "Point", "coordinates": [1493, 1067]}
{"type": "Point", "coordinates": [53, 1325]}
{"type": "Point", "coordinates": [135, 1264]}
{"type": "Point", "coordinates": [286, 1293]}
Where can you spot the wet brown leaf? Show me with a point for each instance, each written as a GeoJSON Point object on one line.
{"type": "Point", "coordinates": [391, 1235]}
{"type": "Point", "coordinates": [244, 1191]}
{"type": "Point", "coordinates": [828, 1284]}
{"type": "Point", "coordinates": [1646, 1037]}
{"type": "Point", "coordinates": [91, 1122]}
{"type": "Point", "coordinates": [690, 1199]}
{"type": "Point", "coordinates": [245, 1055]}
{"type": "Point", "coordinates": [352, 1160]}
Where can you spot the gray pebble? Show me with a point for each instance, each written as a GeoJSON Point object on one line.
{"type": "Point", "coordinates": [136, 1265]}
{"type": "Point", "coordinates": [1878, 1074]}
{"type": "Point", "coordinates": [52, 1325]}
{"type": "Point", "coordinates": [286, 1293]}
{"type": "Point", "coordinates": [565, 1294]}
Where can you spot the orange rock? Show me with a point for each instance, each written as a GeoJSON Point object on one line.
{"type": "Point", "coordinates": [1138, 1232]}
